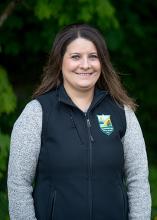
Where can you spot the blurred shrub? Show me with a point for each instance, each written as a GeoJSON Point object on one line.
{"type": "Point", "coordinates": [7, 105]}
{"type": "Point", "coordinates": [4, 149]}
{"type": "Point", "coordinates": [4, 206]}
{"type": "Point", "coordinates": [7, 97]}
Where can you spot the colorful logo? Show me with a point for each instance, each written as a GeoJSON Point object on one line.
{"type": "Point", "coordinates": [105, 124]}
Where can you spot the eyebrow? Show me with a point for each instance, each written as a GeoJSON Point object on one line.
{"type": "Point", "coordinates": [80, 53]}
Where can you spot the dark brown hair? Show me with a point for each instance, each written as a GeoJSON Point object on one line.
{"type": "Point", "coordinates": [109, 79]}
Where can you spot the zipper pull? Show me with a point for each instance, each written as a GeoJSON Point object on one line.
{"type": "Point", "coordinates": [88, 123]}
{"type": "Point", "coordinates": [89, 126]}
{"type": "Point", "coordinates": [92, 139]}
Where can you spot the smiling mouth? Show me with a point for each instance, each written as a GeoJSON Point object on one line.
{"type": "Point", "coordinates": [84, 74]}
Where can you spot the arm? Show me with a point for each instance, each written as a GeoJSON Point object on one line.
{"type": "Point", "coordinates": [136, 169]}
{"type": "Point", "coordinates": [24, 152]}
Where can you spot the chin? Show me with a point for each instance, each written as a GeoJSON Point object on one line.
{"type": "Point", "coordinates": [85, 87]}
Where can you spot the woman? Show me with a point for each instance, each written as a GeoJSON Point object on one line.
{"type": "Point", "coordinates": [77, 150]}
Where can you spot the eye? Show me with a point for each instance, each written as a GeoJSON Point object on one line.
{"type": "Point", "coordinates": [75, 57]}
{"type": "Point", "coordinates": [93, 56]}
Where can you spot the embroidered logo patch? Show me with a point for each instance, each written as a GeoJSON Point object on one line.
{"type": "Point", "coordinates": [105, 124]}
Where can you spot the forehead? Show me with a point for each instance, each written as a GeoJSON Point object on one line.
{"type": "Point", "coordinates": [81, 45]}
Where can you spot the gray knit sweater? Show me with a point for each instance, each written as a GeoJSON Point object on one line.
{"type": "Point", "coordinates": [24, 152]}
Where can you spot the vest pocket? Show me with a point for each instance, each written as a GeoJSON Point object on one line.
{"type": "Point", "coordinates": [51, 205]}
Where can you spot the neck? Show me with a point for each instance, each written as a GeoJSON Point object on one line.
{"type": "Point", "coordinates": [81, 98]}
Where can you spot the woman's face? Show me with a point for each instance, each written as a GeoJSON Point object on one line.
{"type": "Point", "coordinates": [81, 66]}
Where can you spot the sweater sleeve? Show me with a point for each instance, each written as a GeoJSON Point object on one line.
{"type": "Point", "coordinates": [136, 169]}
{"type": "Point", "coordinates": [24, 151]}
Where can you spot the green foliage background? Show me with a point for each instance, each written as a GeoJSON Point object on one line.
{"type": "Point", "coordinates": [129, 28]}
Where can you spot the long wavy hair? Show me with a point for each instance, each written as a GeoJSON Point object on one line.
{"type": "Point", "coordinates": [109, 78]}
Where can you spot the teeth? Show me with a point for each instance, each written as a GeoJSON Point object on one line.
{"type": "Point", "coordinates": [84, 73]}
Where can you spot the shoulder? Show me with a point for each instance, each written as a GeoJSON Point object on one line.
{"type": "Point", "coordinates": [128, 109]}
{"type": "Point", "coordinates": [47, 99]}
{"type": "Point", "coordinates": [47, 95]}
{"type": "Point", "coordinates": [32, 113]}
{"type": "Point", "coordinates": [134, 132]}
{"type": "Point", "coordinates": [131, 118]}
{"type": "Point", "coordinates": [32, 108]}
{"type": "Point", "coordinates": [32, 105]}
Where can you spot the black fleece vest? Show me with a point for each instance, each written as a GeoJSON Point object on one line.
{"type": "Point", "coordinates": [80, 171]}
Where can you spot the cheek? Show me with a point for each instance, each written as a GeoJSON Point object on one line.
{"type": "Point", "coordinates": [64, 64]}
{"type": "Point", "coordinates": [68, 65]}
{"type": "Point", "coordinates": [98, 66]}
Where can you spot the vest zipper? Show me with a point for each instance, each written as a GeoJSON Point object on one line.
{"type": "Point", "coordinates": [90, 165]}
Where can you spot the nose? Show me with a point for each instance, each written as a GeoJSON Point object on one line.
{"type": "Point", "coordinates": [85, 64]}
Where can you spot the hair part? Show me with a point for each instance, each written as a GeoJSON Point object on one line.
{"type": "Point", "coordinates": [109, 78]}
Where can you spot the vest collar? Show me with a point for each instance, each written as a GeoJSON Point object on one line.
{"type": "Point", "coordinates": [63, 97]}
